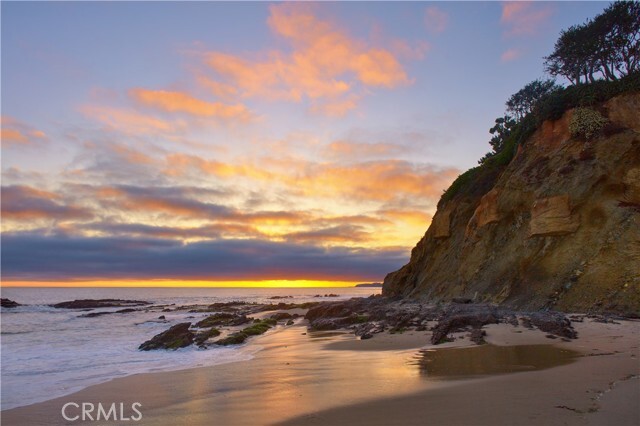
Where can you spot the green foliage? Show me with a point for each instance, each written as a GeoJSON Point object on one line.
{"type": "Point", "coordinates": [606, 46]}
{"type": "Point", "coordinates": [586, 123]}
{"type": "Point", "coordinates": [552, 106]}
{"type": "Point", "coordinates": [523, 101]}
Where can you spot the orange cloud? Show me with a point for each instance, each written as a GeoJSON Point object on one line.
{"type": "Point", "coordinates": [380, 181]}
{"type": "Point", "coordinates": [523, 17]}
{"type": "Point", "coordinates": [181, 102]}
{"type": "Point", "coordinates": [436, 19]}
{"type": "Point", "coordinates": [510, 55]}
{"type": "Point", "coordinates": [127, 121]}
{"type": "Point", "coordinates": [16, 133]}
{"type": "Point", "coordinates": [325, 62]}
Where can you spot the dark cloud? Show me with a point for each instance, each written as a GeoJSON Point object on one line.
{"type": "Point", "coordinates": [33, 256]}
{"type": "Point", "coordinates": [20, 202]}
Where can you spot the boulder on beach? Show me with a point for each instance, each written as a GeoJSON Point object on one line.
{"type": "Point", "coordinates": [176, 337]}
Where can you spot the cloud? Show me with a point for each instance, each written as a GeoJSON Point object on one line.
{"type": "Point", "coordinates": [337, 234]}
{"type": "Point", "coordinates": [15, 133]}
{"type": "Point", "coordinates": [436, 19]}
{"type": "Point", "coordinates": [524, 17]}
{"type": "Point", "coordinates": [169, 101]}
{"type": "Point", "coordinates": [510, 55]}
{"type": "Point", "coordinates": [25, 203]}
{"type": "Point", "coordinates": [324, 63]}
{"type": "Point", "coordinates": [128, 121]}
{"type": "Point", "coordinates": [32, 256]}
{"type": "Point", "coordinates": [381, 181]}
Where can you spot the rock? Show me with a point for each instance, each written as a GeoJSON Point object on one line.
{"type": "Point", "coordinates": [281, 316]}
{"type": "Point", "coordinates": [461, 300]}
{"type": "Point", "coordinates": [487, 212]}
{"type": "Point", "coordinates": [161, 317]}
{"type": "Point", "coordinates": [290, 322]}
{"type": "Point", "coordinates": [366, 336]}
{"type": "Point", "coordinates": [203, 336]}
{"type": "Point", "coordinates": [8, 303]}
{"type": "Point", "coordinates": [460, 316]}
{"type": "Point", "coordinates": [232, 339]}
{"type": "Point", "coordinates": [552, 216]}
{"type": "Point", "coordinates": [98, 303]}
{"type": "Point", "coordinates": [98, 314]}
{"type": "Point", "coordinates": [553, 323]}
{"type": "Point", "coordinates": [477, 336]}
{"type": "Point", "coordinates": [335, 309]}
{"type": "Point", "coordinates": [178, 336]}
{"type": "Point", "coordinates": [632, 186]}
{"type": "Point", "coordinates": [223, 319]}
{"type": "Point", "coordinates": [441, 224]}
{"type": "Point", "coordinates": [281, 297]}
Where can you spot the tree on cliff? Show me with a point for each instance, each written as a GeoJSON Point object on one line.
{"type": "Point", "coordinates": [606, 46]}
{"type": "Point", "coordinates": [524, 100]}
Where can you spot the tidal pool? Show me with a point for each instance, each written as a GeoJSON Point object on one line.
{"type": "Point", "coordinates": [458, 363]}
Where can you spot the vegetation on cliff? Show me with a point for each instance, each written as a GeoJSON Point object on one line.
{"type": "Point", "coordinates": [601, 59]}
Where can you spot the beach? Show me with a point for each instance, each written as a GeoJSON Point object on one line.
{"type": "Point", "coordinates": [317, 378]}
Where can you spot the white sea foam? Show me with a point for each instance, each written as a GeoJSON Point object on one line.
{"type": "Point", "coordinates": [48, 352]}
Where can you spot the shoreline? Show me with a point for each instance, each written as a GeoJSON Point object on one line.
{"type": "Point", "coordinates": [334, 378]}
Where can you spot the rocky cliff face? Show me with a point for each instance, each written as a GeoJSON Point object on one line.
{"type": "Point", "coordinates": [558, 228]}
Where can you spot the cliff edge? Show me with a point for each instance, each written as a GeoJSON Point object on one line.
{"type": "Point", "coordinates": [558, 227]}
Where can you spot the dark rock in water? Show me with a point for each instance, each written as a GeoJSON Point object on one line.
{"type": "Point", "coordinates": [232, 339]}
{"type": "Point", "coordinates": [477, 336]}
{"type": "Point", "coordinates": [222, 318]}
{"type": "Point", "coordinates": [99, 303]}
{"type": "Point", "coordinates": [176, 337]}
{"type": "Point", "coordinates": [8, 303]}
{"type": "Point", "coordinates": [94, 314]}
{"type": "Point", "coordinates": [98, 314]}
{"type": "Point", "coordinates": [281, 316]}
{"type": "Point", "coordinates": [162, 317]}
{"type": "Point", "coordinates": [290, 322]}
{"type": "Point", "coordinates": [553, 323]}
{"type": "Point", "coordinates": [281, 297]}
{"type": "Point", "coordinates": [366, 336]}
{"type": "Point", "coordinates": [203, 336]}
{"type": "Point", "coordinates": [461, 300]}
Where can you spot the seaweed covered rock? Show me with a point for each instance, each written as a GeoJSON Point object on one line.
{"type": "Point", "coordinates": [178, 336]}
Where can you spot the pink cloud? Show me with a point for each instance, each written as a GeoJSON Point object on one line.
{"type": "Point", "coordinates": [324, 65]}
{"type": "Point", "coordinates": [436, 20]}
{"type": "Point", "coordinates": [523, 17]}
{"type": "Point", "coordinates": [510, 55]}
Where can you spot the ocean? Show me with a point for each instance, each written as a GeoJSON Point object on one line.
{"type": "Point", "coordinates": [48, 352]}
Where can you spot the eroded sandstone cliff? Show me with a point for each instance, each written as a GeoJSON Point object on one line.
{"type": "Point", "coordinates": [559, 227]}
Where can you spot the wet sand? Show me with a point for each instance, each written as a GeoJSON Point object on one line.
{"type": "Point", "coordinates": [332, 379]}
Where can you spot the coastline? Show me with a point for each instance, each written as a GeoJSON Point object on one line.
{"type": "Point", "coordinates": [333, 378]}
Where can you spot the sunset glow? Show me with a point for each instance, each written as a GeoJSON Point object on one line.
{"type": "Point", "coordinates": [245, 144]}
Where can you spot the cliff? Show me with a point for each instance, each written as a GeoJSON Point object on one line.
{"type": "Point", "coordinates": [558, 227]}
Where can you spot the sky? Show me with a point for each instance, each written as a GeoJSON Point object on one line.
{"type": "Point", "coordinates": [220, 143]}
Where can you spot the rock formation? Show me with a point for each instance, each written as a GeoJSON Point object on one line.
{"type": "Point", "coordinates": [558, 227]}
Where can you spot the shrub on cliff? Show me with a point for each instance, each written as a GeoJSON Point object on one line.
{"type": "Point", "coordinates": [586, 123]}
